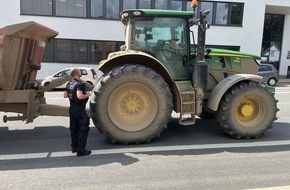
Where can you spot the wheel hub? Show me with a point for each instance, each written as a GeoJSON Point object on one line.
{"type": "Point", "coordinates": [246, 110]}
{"type": "Point", "coordinates": [132, 104]}
{"type": "Point", "coordinates": [132, 107]}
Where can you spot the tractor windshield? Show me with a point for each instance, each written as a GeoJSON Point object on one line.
{"type": "Point", "coordinates": [164, 38]}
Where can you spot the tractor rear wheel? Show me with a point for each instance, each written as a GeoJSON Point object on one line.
{"type": "Point", "coordinates": [133, 104]}
{"type": "Point", "coordinates": [247, 110]}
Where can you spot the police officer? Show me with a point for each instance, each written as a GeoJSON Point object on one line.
{"type": "Point", "coordinates": [79, 120]}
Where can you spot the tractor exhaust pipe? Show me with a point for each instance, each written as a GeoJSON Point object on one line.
{"type": "Point", "coordinates": [201, 68]}
{"type": "Point", "coordinates": [200, 72]}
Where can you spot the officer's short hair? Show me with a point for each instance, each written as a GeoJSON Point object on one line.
{"type": "Point", "coordinates": [74, 71]}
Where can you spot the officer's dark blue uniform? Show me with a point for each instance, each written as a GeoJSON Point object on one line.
{"type": "Point", "coordinates": [79, 121]}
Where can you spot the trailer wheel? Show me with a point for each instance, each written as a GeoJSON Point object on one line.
{"type": "Point", "coordinates": [247, 110]}
{"type": "Point", "coordinates": [133, 104]}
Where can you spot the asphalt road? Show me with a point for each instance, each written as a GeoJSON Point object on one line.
{"type": "Point", "coordinates": [37, 156]}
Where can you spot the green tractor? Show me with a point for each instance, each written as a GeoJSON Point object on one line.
{"type": "Point", "coordinates": [158, 71]}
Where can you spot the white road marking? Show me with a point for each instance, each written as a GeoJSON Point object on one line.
{"type": "Point", "coordinates": [145, 149]}
{"type": "Point", "coordinates": [272, 188]}
{"type": "Point", "coordinates": [282, 92]}
{"type": "Point", "coordinates": [23, 156]}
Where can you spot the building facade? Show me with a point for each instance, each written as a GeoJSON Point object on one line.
{"type": "Point", "coordinates": [90, 29]}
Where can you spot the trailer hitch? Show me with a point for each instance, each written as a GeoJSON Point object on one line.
{"type": "Point", "coordinates": [13, 118]}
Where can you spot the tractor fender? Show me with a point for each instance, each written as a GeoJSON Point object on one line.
{"type": "Point", "coordinates": [133, 57]}
{"type": "Point", "coordinates": [220, 89]}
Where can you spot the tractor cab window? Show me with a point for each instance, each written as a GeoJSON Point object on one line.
{"type": "Point", "coordinates": [165, 39]}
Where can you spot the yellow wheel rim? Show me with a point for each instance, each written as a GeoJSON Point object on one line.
{"type": "Point", "coordinates": [248, 110]}
{"type": "Point", "coordinates": [132, 107]}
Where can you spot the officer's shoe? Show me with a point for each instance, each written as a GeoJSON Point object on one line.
{"type": "Point", "coordinates": [84, 153]}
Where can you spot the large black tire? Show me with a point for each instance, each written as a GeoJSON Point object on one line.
{"type": "Point", "coordinates": [132, 104]}
{"type": "Point", "coordinates": [247, 110]}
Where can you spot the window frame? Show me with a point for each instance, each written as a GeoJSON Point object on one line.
{"type": "Point", "coordinates": [153, 3]}
{"type": "Point", "coordinates": [68, 6]}
{"type": "Point", "coordinates": [22, 5]}
{"type": "Point", "coordinates": [229, 13]}
{"type": "Point", "coordinates": [54, 52]}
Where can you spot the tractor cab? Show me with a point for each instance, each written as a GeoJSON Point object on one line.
{"type": "Point", "coordinates": [162, 34]}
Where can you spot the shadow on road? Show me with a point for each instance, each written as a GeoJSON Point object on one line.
{"type": "Point", "coordinates": [53, 139]}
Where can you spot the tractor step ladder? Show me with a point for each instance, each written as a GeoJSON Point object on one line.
{"type": "Point", "coordinates": [187, 102]}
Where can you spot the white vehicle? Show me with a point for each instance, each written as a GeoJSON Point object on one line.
{"type": "Point", "coordinates": [88, 75]}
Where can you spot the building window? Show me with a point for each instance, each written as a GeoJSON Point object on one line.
{"type": "Point", "coordinates": [188, 6]}
{"type": "Point", "coordinates": [176, 5]}
{"type": "Point", "coordinates": [236, 13]}
{"type": "Point", "coordinates": [145, 4]}
{"type": "Point", "coordinates": [272, 39]}
{"type": "Point", "coordinates": [36, 7]}
{"type": "Point", "coordinates": [97, 7]}
{"type": "Point", "coordinates": [112, 9]}
{"type": "Point", "coordinates": [71, 8]}
{"type": "Point", "coordinates": [129, 4]}
{"type": "Point", "coordinates": [207, 6]}
{"type": "Point", "coordinates": [110, 47]}
{"type": "Point", "coordinates": [161, 4]}
{"type": "Point", "coordinates": [48, 55]}
{"type": "Point", "coordinates": [221, 17]}
{"type": "Point", "coordinates": [234, 48]}
{"type": "Point", "coordinates": [79, 51]}
{"type": "Point", "coordinates": [71, 51]}
{"type": "Point", "coordinates": [221, 13]}
{"type": "Point", "coordinates": [97, 52]}
{"type": "Point", "coordinates": [229, 14]}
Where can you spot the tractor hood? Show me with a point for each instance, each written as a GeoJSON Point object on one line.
{"type": "Point", "coordinates": [230, 53]}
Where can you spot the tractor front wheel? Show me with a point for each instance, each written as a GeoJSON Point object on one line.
{"type": "Point", "coordinates": [133, 104]}
{"type": "Point", "coordinates": [247, 110]}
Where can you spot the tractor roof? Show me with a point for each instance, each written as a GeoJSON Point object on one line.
{"type": "Point", "coordinates": [125, 14]}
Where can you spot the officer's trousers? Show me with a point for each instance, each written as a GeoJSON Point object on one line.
{"type": "Point", "coordinates": [79, 128]}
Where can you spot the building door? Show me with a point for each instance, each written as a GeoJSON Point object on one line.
{"type": "Point", "coordinates": [272, 39]}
